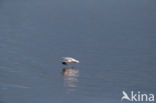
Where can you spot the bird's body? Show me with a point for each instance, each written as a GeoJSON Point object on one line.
{"type": "Point", "coordinates": [66, 60]}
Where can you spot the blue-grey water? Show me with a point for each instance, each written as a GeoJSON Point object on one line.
{"type": "Point", "coordinates": [114, 40]}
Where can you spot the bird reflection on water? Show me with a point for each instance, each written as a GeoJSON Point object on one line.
{"type": "Point", "coordinates": [70, 78]}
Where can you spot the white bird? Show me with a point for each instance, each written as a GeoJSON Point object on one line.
{"type": "Point", "coordinates": [66, 60]}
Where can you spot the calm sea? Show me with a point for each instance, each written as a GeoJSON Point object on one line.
{"type": "Point", "coordinates": [114, 40]}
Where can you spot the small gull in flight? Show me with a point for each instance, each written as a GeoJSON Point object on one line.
{"type": "Point", "coordinates": [66, 60]}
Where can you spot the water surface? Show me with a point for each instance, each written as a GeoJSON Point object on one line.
{"type": "Point", "coordinates": [115, 42]}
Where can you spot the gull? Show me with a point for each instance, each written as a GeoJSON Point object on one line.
{"type": "Point", "coordinates": [66, 60]}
